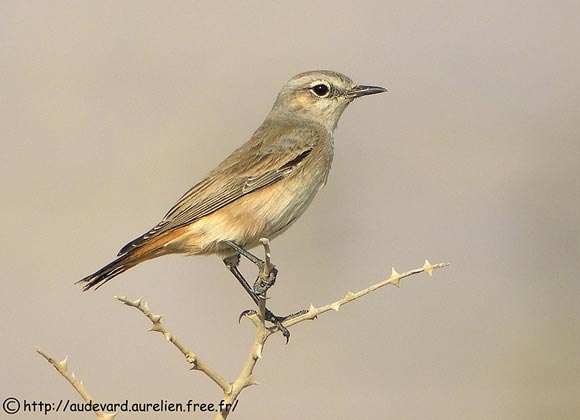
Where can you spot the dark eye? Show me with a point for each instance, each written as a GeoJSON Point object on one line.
{"type": "Point", "coordinates": [320, 90]}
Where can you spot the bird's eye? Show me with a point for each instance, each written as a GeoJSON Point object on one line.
{"type": "Point", "coordinates": [320, 90]}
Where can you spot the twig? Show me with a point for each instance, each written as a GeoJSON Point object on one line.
{"type": "Point", "coordinates": [189, 355]}
{"type": "Point", "coordinates": [394, 279]}
{"type": "Point", "coordinates": [246, 377]}
{"type": "Point", "coordinates": [230, 390]}
{"type": "Point", "coordinates": [62, 368]}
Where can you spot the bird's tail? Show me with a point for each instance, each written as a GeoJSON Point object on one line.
{"type": "Point", "coordinates": [111, 270]}
{"type": "Point", "coordinates": [130, 256]}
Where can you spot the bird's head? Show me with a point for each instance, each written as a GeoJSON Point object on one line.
{"type": "Point", "coordinates": [320, 95]}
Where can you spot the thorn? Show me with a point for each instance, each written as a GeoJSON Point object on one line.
{"type": "Point", "coordinates": [349, 295]}
{"type": "Point", "coordinates": [428, 268]}
{"type": "Point", "coordinates": [156, 318]}
{"type": "Point", "coordinates": [335, 306]}
{"type": "Point", "coordinates": [394, 279]}
{"type": "Point", "coordinates": [137, 302]}
{"type": "Point", "coordinates": [64, 364]}
{"type": "Point", "coordinates": [311, 312]}
{"type": "Point", "coordinates": [73, 376]}
{"type": "Point", "coordinates": [252, 381]}
{"type": "Point", "coordinates": [155, 327]}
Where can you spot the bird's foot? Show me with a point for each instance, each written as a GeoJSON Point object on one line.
{"type": "Point", "coordinates": [266, 279]}
{"type": "Point", "coordinates": [275, 319]}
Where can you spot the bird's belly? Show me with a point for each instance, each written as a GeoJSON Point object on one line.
{"type": "Point", "coordinates": [264, 213]}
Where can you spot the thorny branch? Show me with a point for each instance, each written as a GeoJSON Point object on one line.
{"type": "Point", "coordinates": [246, 377]}
{"type": "Point", "coordinates": [394, 279]}
{"type": "Point", "coordinates": [231, 390]}
{"type": "Point", "coordinates": [62, 368]}
{"type": "Point", "coordinates": [191, 357]}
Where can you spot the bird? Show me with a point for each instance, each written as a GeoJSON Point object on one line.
{"type": "Point", "coordinates": [259, 190]}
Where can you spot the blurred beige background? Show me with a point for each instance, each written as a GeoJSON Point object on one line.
{"type": "Point", "coordinates": [109, 111]}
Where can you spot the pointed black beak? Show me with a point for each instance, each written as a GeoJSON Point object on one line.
{"type": "Point", "coordinates": [362, 90]}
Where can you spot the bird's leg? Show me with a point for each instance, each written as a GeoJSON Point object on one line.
{"type": "Point", "coordinates": [244, 252]}
{"type": "Point", "coordinates": [267, 272]}
{"type": "Point", "coordinates": [266, 278]}
{"type": "Point", "coordinates": [232, 265]}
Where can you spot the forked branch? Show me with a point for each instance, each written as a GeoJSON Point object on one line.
{"type": "Point", "coordinates": [231, 390]}
{"type": "Point", "coordinates": [262, 333]}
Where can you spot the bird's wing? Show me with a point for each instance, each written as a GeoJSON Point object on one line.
{"type": "Point", "coordinates": [248, 169]}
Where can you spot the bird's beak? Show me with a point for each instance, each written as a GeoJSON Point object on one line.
{"type": "Point", "coordinates": [362, 90]}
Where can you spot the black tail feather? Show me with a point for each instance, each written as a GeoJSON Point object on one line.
{"type": "Point", "coordinates": [108, 272]}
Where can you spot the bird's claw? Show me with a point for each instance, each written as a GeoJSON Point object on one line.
{"type": "Point", "coordinates": [247, 312]}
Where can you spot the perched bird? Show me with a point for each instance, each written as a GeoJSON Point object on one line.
{"type": "Point", "coordinates": [261, 188]}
